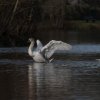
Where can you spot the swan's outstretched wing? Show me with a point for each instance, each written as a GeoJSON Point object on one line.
{"type": "Point", "coordinates": [39, 45]}
{"type": "Point", "coordinates": [53, 46]}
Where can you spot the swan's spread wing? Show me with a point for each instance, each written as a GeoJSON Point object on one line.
{"type": "Point", "coordinates": [53, 46]}
{"type": "Point", "coordinates": [39, 45]}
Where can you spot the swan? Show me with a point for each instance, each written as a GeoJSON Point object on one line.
{"type": "Point", "coordinates": [43, 53]}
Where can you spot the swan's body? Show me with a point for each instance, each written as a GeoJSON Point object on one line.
{"type": "Point", "coordinates": [43, 54]}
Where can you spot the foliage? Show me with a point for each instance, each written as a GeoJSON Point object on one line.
{"type": "Point", "coordinates": [20, 19]}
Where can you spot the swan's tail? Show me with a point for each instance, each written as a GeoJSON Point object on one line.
{"type": "Point", "coordinates": [51, 60]}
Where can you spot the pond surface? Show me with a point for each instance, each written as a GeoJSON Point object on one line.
{"type": "Point", "coordinates": [73, 75]}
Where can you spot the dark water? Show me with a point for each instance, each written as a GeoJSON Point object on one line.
{"type": "Point", "coordinates": [74, 75]}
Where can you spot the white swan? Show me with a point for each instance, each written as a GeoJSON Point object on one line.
{"type": "Point", "coordinates": [43, 53]}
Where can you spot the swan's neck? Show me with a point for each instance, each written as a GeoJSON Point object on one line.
{"type": "Point", "coordinates": [30, 50]}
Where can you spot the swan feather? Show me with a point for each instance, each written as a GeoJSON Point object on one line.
{"type": "Point", "coordinates": [54, 46]}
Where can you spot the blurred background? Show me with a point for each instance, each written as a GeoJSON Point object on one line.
{"type": "Point", "coordinates": [74, 74]}
{"type": "Point", "coordinates": [72, 21]}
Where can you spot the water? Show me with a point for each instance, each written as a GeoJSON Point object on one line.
{"type": "Point", "coordinates": [73, 75]}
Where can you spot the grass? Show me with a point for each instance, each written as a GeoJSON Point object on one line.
{"type": "Point", "coordinates": [83, 25]}
{"type": "Point", "coordinates": [74, 25]}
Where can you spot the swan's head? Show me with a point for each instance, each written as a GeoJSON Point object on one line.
{"type": "Point", "coordinates": [31, 40]}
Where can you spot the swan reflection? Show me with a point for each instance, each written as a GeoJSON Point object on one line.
{"type": "Point", "coordinates": [49, 81]}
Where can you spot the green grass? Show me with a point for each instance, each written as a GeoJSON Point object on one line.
{"type": "Point", "coordinates": [83, 25]}
{"type": "Point", "coordinates": [75, 25]}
